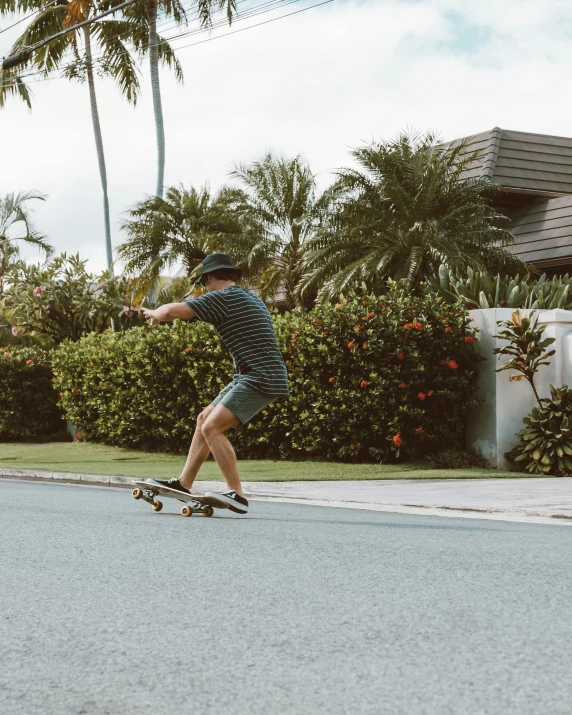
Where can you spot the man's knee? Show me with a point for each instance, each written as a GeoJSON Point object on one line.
{"type": "Point", "coordinates": [209, 428]}
{"type": "Point", "coordinates": [202, 417]}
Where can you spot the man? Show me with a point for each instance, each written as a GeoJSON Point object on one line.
{"type": "Point", "coordinates": [244, 325]}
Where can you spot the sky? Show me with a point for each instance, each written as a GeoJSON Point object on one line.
{"type": "Point", "coordinates": [316, 83]}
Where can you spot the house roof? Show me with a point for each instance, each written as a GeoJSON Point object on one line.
{"type": "Point", "coordinates": [524, 162]}
{"type": "Point", "coordinates": [543, 232]}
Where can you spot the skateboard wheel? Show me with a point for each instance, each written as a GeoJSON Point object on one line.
{"type": "Point", "coordinates": [208, 511]}
{"type": "Point", "coordinates": [157, 505]}
{"type": "Point", "coordinates": [186, 511]}
{"type": "Point", "coordinates": [137, 494]}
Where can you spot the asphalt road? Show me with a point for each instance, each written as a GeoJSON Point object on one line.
{"type": "Point", "coordinates": [108, 607]}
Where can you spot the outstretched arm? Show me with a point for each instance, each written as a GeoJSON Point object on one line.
{"type": "Point", "coordinates": [168, 312]}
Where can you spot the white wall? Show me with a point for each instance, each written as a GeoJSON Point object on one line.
{"type": "Point", "coordinates": [493, 423]}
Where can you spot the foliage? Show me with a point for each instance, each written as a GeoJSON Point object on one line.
{"type": "Point", "coordinates": [276, 206]}
{"type": "Point", "coordinates": [61, 300]}
{"type": "Point", "coordinates": [27, 399]}
{"type": "Point", "coordinates": [16, 226]}
{"type": "Point", "coordinates": [183, 228]}
{"type": "Point", "coordinates": [546, 440]}
{"type": "Point", "coordinates": [381, 378]}
{"type": "Point", "coordinates": [457, 459]}
{"type": "Point", "coordinates": [410, 209]}
{"type": "Point", "coordinates": [481, 290]}
{"type": "Point", "coordinates": [526, 347]}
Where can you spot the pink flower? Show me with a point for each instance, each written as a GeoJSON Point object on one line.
{"type": "Point", "coordinates": [39, 290]}
{"type": "Point", "coordinates": [48, 306]}
{"type": "Point", "coordinates": [130, 310]}
{"type": "Point", "coordinates": [14, 330]}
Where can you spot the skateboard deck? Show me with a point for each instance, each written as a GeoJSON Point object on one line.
{"type": "Point", "coordinates": [149, 492]}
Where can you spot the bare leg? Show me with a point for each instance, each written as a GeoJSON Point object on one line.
{"type": "Point", "coordinates": [217, 423]}
{"type": "Point", "coordinates": [198, 452]}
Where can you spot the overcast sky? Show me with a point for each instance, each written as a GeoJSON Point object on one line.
{"type": "Point", "coordinates": [317, 83]}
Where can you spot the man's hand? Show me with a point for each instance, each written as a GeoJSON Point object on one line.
{"type": "Point", "coordinates": [151, 316]}
{"type": "Point", "coordinates": [166, 313]}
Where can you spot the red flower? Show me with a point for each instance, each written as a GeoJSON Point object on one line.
{"type": "Point", "coordinates": [74, 389]}
{"type": "Point", "coordinates": [186, 335]}
{"type": "Point", "coordinates": [62, 394]}
{"type": "Point", "coordinates": [369, 315]}
{"type": "Point", "coordinates": [356, 328]}
{"type": "Point", "coordinates": [429, 393]}
{"type": "Point", "coordinates": [123, 415]}
{"type": "Point", "coordinates": [448, 329]}
{"type": "Point", "coordinates": [29, 362]}
{"type": "Point", "coordinates": [400, 356]}
{"type": "Point", "coordinates": [407, 326]}
{"type": "Point", "coordinates": [421, 395]}
{"type": "Point", "coordinates": [443, 362]}
{"type": "Point", "coordinates": [417, 325]}
{"type": "Point", "coordinates": [352, 446]}
{"type": "Point", "coordinates": [325, 332]}
{"type": "Point", "coordinates": [453, 365]}
{"type": "Point", "coordinates": [188, 350]}
{"type": "Point", "coordinates": [397, 440]}
{"type": "Point", "coordinates": [332, 379]}
{"type": "Point", "coordinates": [363, 383]}
{"type": "Point", "coordinates": [287, 362]}
{"type": "Point", "coordinates": [364, 346]}
{"type": "Point", "coordinates": [469, 340]}
{"type": "Point", "coordinates": [6, 355]}
{"type": "Point", "coordinates": [95, 367]}
{"type": "Point", "coordinates": [402, 384]}
{"type": "Point", "coordinates": [351, 344]}
{"type": "Point", "coordinates": [419, 429]}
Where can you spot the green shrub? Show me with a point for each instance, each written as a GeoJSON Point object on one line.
{"type": "Point", "coordinates": [28, 408]}
{"type": "Point", "coordinates": [373, 377]}
{"type": "Point", "coordinates": [546, 440]}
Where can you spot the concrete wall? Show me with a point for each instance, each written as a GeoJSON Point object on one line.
{"type": "Point", "coordinates": [492, 425]}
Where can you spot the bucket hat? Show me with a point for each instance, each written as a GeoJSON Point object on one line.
{"type": "Point", "coordinates": [214, 262]}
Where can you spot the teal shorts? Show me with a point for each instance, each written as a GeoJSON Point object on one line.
{"type": "Point", "coordinates": [242, 400]}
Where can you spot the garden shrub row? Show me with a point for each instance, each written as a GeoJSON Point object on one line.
{"type": "Point", "coordinates": [373, 377]}
{"type": "Point", "coordinates": [28, 401]}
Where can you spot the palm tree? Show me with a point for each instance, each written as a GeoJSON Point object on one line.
{"type": "Point", "coordinates": [180, 229]}
{"type": "Point", "coordinates": [408, 210]}
{"type": "Point", "coordinates": [277, 210]}
{"type": "Point", "coordinates": [110, 35]}
{"type": "Point", "coordinates": [16, 226]}
{"type": "Point", "coordinates": [151, 8]}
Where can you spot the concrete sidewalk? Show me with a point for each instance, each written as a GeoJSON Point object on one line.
{"type": "Point", "coordinates": [545, 500]}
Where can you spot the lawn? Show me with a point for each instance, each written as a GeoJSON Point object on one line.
{"type": "Point", "coordinates": [84, 458]}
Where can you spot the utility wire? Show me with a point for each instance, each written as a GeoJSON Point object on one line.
{"type": "Point", "coordinates": [251, 12]}
{"type": "Point", "coordinates": [41, 9]}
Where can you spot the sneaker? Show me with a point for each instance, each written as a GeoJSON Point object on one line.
{"type": "Point", "coordinates": [173, 484]}
{"type": "Point", "coordinates": [231, 500]}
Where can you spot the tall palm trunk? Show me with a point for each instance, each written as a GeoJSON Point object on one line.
{"type": "Point", "coordinates": [156, 90]}
{"type": "Point", "coordinates": [98, 144]}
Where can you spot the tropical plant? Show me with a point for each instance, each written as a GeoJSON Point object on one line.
{"type": "Point", "coordinates": [179, 230]}
{"type": "Point", "coordinates": [16, 227]}
{"type": "Point", "coordinates": [525, 346]}
{"type": "Point", "coordinates": [152, 44]}
{"type": "Point", "coordinates": [546, 440]}
{"type": "Point", "coordinates": [277, 210]}
{"type": "Point", "coordinates": [60, 299]}
{"type": "Point", "coordinates": [481, 290]}
{"type": "Point", "coordinates": [409, 208]}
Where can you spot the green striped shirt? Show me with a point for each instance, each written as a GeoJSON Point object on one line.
{"type": "Point", "coordinates": [245, 327]}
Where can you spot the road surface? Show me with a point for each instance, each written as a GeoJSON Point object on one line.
{"type": "Point", "coordinates": [108, 607]}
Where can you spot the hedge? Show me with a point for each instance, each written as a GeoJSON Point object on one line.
{"type": "Point", "coordinates": [28, 402]}
{"type": "Point", "coordinates": [373, 377]}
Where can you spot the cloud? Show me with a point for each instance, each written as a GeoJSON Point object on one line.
{"type": "Point", "coordinates": [316, 83]}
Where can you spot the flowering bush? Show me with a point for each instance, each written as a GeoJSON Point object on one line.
{"type": "Point", "coordinates": [27, 399]}
{"type": "Point", "coordinates": [373, 377]}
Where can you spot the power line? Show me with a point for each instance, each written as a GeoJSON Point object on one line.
{"type": "Point", "coordinates": [251, 12]}
{"type": "Point", "coordinates": [28, 16]}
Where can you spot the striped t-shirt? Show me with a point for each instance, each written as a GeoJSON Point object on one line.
{"type": "Point", "coordinates": [245, 327]}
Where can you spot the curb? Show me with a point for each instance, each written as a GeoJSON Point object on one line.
{"type": "Point", "coordinates": [255, 491]}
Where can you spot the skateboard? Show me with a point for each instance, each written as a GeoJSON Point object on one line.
{"type": "Point", "coordinates": [148, 492]}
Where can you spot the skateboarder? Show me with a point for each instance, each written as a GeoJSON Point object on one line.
{"type": "Point", "coordinates": [244, 325]}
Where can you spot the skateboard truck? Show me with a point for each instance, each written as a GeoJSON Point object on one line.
{"type": "Point", "coordinates": [149, 495]}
